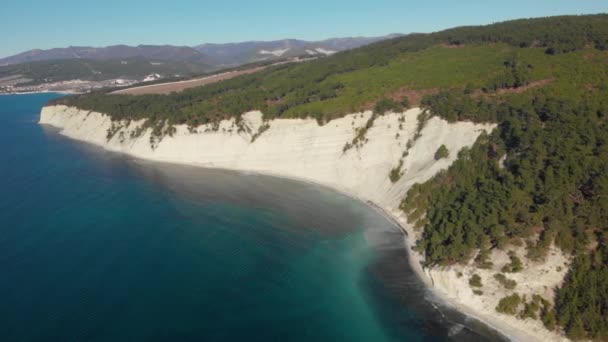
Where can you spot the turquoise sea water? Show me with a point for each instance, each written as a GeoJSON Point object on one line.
{"type": "Point", "coordinates": [95, 246]}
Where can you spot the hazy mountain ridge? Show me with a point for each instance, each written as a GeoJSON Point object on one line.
{"type": "Point", "coordinates": [152, 52]}
{"type": "Point", "coordinates": [252, 51]}
{"type": "Point", "coordinates": [211, 54]}
{"type": "Point", "coordinates": [100, 64]}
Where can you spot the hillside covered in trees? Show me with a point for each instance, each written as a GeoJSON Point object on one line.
{"type": "Point", "coordinates": [354, 80]}
{"type": "Point", "coordinates": [540, 178]}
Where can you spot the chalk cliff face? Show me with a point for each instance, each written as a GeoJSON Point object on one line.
{"type": "Point", "coordinates": [297, 148]}
{"type": "Point", "coordinates": [301, 148]}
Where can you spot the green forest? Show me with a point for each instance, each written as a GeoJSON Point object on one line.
{"type": "Point", "coordinates": [540, 178]}
{"type": "Point", "coordinates": [355, 80]}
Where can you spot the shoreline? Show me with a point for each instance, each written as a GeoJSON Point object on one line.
{"type": "Point", "coordinates": [63, 92]}
{"type": "Point", "coordinates": [414, 260]}
{"type": "Point", "coordinates": [413, 257]}
{"type": "Point", "coordinates": [382, 200]}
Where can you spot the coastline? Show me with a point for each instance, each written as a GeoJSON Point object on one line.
{"type": "Point", "coordinates": [354, 179]}
{"type": "Point", "coordinates": [508, 331]}
{"type": "Point", "coordinates": [64, 92]}
{"type": "Point", "coordinates": [415, 259]}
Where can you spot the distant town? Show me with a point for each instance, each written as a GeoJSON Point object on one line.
{"type": "Point", "coordinates": [18, 85]}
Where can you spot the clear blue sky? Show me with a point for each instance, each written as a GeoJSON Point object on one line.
{"type": "Point", "coordinates": [27, 24]}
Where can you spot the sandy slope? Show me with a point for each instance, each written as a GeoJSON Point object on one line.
{"type": "Point", "coordinates": [169, 87]}
{"type": "Point", "coordinates": [302, 149]}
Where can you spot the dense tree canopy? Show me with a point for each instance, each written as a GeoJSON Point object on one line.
{"type": "Point", "coordinates": [542, 176]}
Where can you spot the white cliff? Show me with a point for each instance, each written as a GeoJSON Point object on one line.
{"type": "Point", "coordinates": [297, 148]}
{"type": "Point", "coordinates": [302, 149]}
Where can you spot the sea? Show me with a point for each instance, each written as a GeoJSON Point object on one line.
{"type": "Point", "coordinates": [98, 246]}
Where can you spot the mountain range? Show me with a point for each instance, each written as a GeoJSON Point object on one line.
{"type": "Point", "coordinates": [229, 54]}
{"type": "Point", "coordinates": [254, 51]}
{"type": "Point", "coordinates": [151, 52]}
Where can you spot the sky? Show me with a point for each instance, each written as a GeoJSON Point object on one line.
{"type": "Point", "coordinates": [27, 24]}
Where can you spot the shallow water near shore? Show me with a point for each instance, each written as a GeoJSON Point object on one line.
{"type": "Point", "coordinates": [97, 246]}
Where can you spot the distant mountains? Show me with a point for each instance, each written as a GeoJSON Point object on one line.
{"type": "Point", "coordinates": [230, 54]}
{"type": "Point", "coordinates": [85, 63]}
{"type": "Point", "coordinates": [150, 52]}
{"type": "Point", "coordinates": [254, 51]}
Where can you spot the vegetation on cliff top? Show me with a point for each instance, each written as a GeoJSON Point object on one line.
{"type": "Point", "coordinates": [354, 80]}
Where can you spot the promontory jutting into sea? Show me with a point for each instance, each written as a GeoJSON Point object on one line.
{"type": "Point", "coordinates": [445, 185]}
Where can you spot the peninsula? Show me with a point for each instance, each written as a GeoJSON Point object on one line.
{"type": "Point", "coordinates": [488, 145]}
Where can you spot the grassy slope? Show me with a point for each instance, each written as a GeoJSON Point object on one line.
{"type": "Point", "coordinates": [285, 91]}
{"type": "Point", "coordinates": [413, 70]}
{"type": "Point", "coordinates": [354, 80]}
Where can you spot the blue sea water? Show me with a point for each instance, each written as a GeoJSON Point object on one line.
{"type": "Point", "coordinates": [96, 246]}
